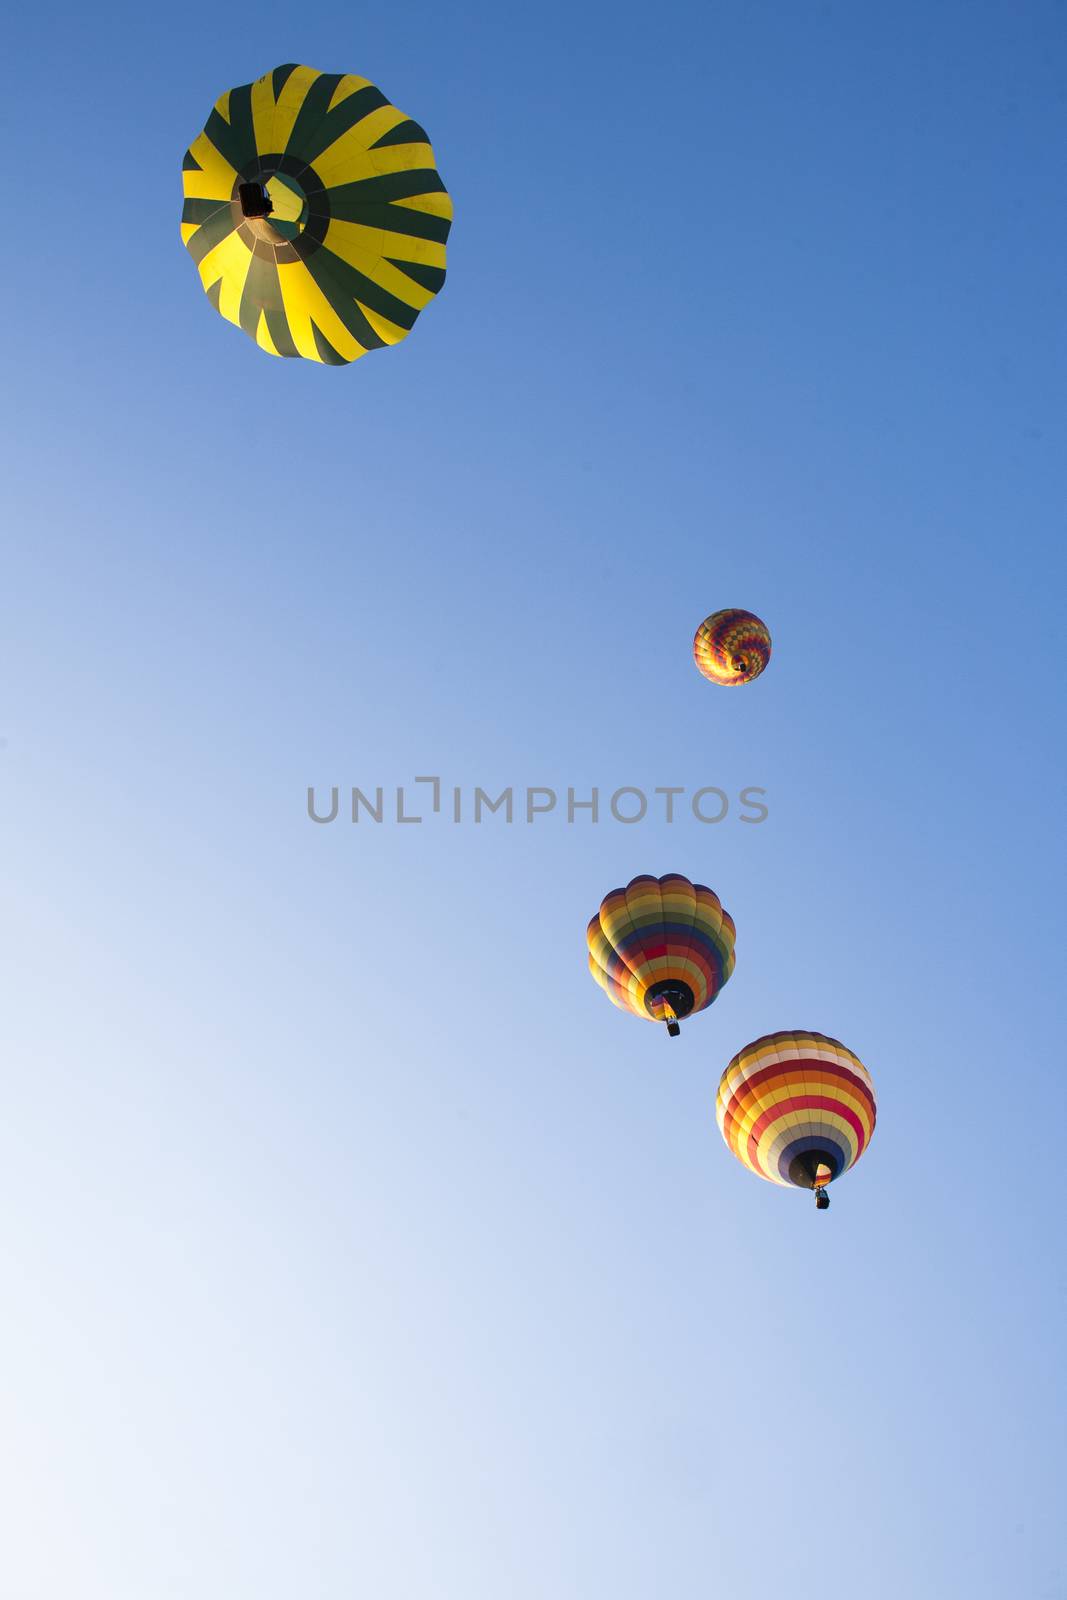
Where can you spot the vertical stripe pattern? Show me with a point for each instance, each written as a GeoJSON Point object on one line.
{"type": "Point", "coordinates": [661, 947]}
{"type": "Point", "coordinates": [353, 245]}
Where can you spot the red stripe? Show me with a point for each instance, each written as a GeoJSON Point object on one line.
{"type": "Point", "coordinates": [807, 1068]}
{"type": "Point", "coordinates": [795, 1063]}
{"type": "Point", "coordinates": [745, 1101]}
{"type": "Point", "coordinates": [817, 1102]}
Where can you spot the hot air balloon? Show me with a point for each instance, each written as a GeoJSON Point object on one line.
{"type": "Point", "coordinates": [315, 214]}
{"type": "Point", "coordinates": [661, 948]}
{"type": "Point", "coordinates": [732, 647]}
{"type": "Point", "coordinates": [797, 1108]}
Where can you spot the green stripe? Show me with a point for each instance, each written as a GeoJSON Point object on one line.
{"type": "Point", "coordinates": [278, 328]}
{"type": "Point", "coordinates": [408, 185]}
{"type": "Point", "coordinates": [190, 163]}
{"type": "Point", "coordinates": [201, 211]}
{"type": "Point", "coordinates": [280, 77]}
{"type": "Point", "coordinates": [355, 285]}
{"type": "Point", "coordinates": [407, 132]}
{"type": "Point", "coordinates": [431, 278]}
{"type": "Point", "coordinates": [316, 129]}
{"type": "Point", "coordinates": [340, 299]}
{"type": "Point", "coordinates": [312, 111]}
{"type": "Point", "coordinates": [397, 219]}
{"type": "Point", "coordinates": [236, 139]}
{"type": "Point", "coordinates": [261, 291]}
{"type": "Point", "coordinates": [213, 231]}
{"type": "Point", "coordinates": [326, 349]}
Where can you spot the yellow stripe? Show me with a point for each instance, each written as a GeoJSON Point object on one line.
{"type": "Point", "coordinates": [263, 338]}
{"type": "Point", "coordinates": [402, 157]}
{"type": "Point", "coordinates": [217, 179]}
{"type": "Point", "coordinates": [349, 84]}
{"type": "Point", "coordinates": [396, 282]}
{"type": "Point", "coordinates": [263, 106]}
{"type": "Point", "coordinates": [340, 157]}
{"type": "Point", "coordinates": [230, 261]}
{"type": "Point", "coordinates": [292, 97]}
{"type": "Point", "coordinates": [303, 301]}
{"type": "Point", "coordinates": [746, 1121]}
{"type": "Point", "coordinates": [382, 326]}
{"type": "Point", "coordinates": [829, 1119]}
{"type": "Point", "coordinates": [354, 163]}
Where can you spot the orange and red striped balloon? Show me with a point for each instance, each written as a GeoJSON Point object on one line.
{"type": "Point", "coordinates": [796, 1108]}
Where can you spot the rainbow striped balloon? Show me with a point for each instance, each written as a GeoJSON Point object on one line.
{"type": "Point", "coordinates": [732, 647]}
{"type": "Point", "coordinates": [661, 948]}
{"type": "Point", "coordinates": [796, 1108]}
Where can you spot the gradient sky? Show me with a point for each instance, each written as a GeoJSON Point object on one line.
{"type": "Point", "coordinates": [351, 1243]}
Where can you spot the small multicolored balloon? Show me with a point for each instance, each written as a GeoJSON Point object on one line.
{"type": "Point", "coordinates": [661, 948]}
{"type": "Point", "coordinates": [797, 1108]}
{"type": "Point", "coordinates": [732, 647]}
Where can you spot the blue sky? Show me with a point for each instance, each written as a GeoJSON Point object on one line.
{"type": "Point", "coordinates": [352, 1242]}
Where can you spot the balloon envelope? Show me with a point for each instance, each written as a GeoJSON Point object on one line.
{"type": "Point", "coordinates": [661, 948]}
{"type": "Point", "coordinates": [732, 647]}
{"type": "Point", "coordinates": [315, 214]}
{"type": "Point", "coordinates": [796, 1108]}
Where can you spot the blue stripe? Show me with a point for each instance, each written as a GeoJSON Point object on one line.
{"type": "Point", "coordinates": [801, 1146]}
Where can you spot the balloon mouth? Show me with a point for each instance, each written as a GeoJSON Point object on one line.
{"type": "Point", "coordinates": [255, 201]}
{"type": "Point", "coordinates": [814, 1169]}
{"type": "Point", "coordinates": [668, 1000]}
{"type": "Point", "coordinates": [740, 664]}
{"type": "Point", "coordinates": [275, 208]}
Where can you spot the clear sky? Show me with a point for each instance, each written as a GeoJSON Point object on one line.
{"type": "Point", "coordinates": [351, 1243]}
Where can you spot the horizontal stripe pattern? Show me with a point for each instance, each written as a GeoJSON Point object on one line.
{"type": "Point", "coordinates": [796, 1108]}
{"type": "Point", "coordinates": [660, 930]}
{"type": "Point", "coordinates": [731, 647]}
{"type": "Point", "coordinates": [361, 250]}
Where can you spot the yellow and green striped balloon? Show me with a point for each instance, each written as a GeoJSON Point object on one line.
{"type": "Point", "coordinates": [315, 214]}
